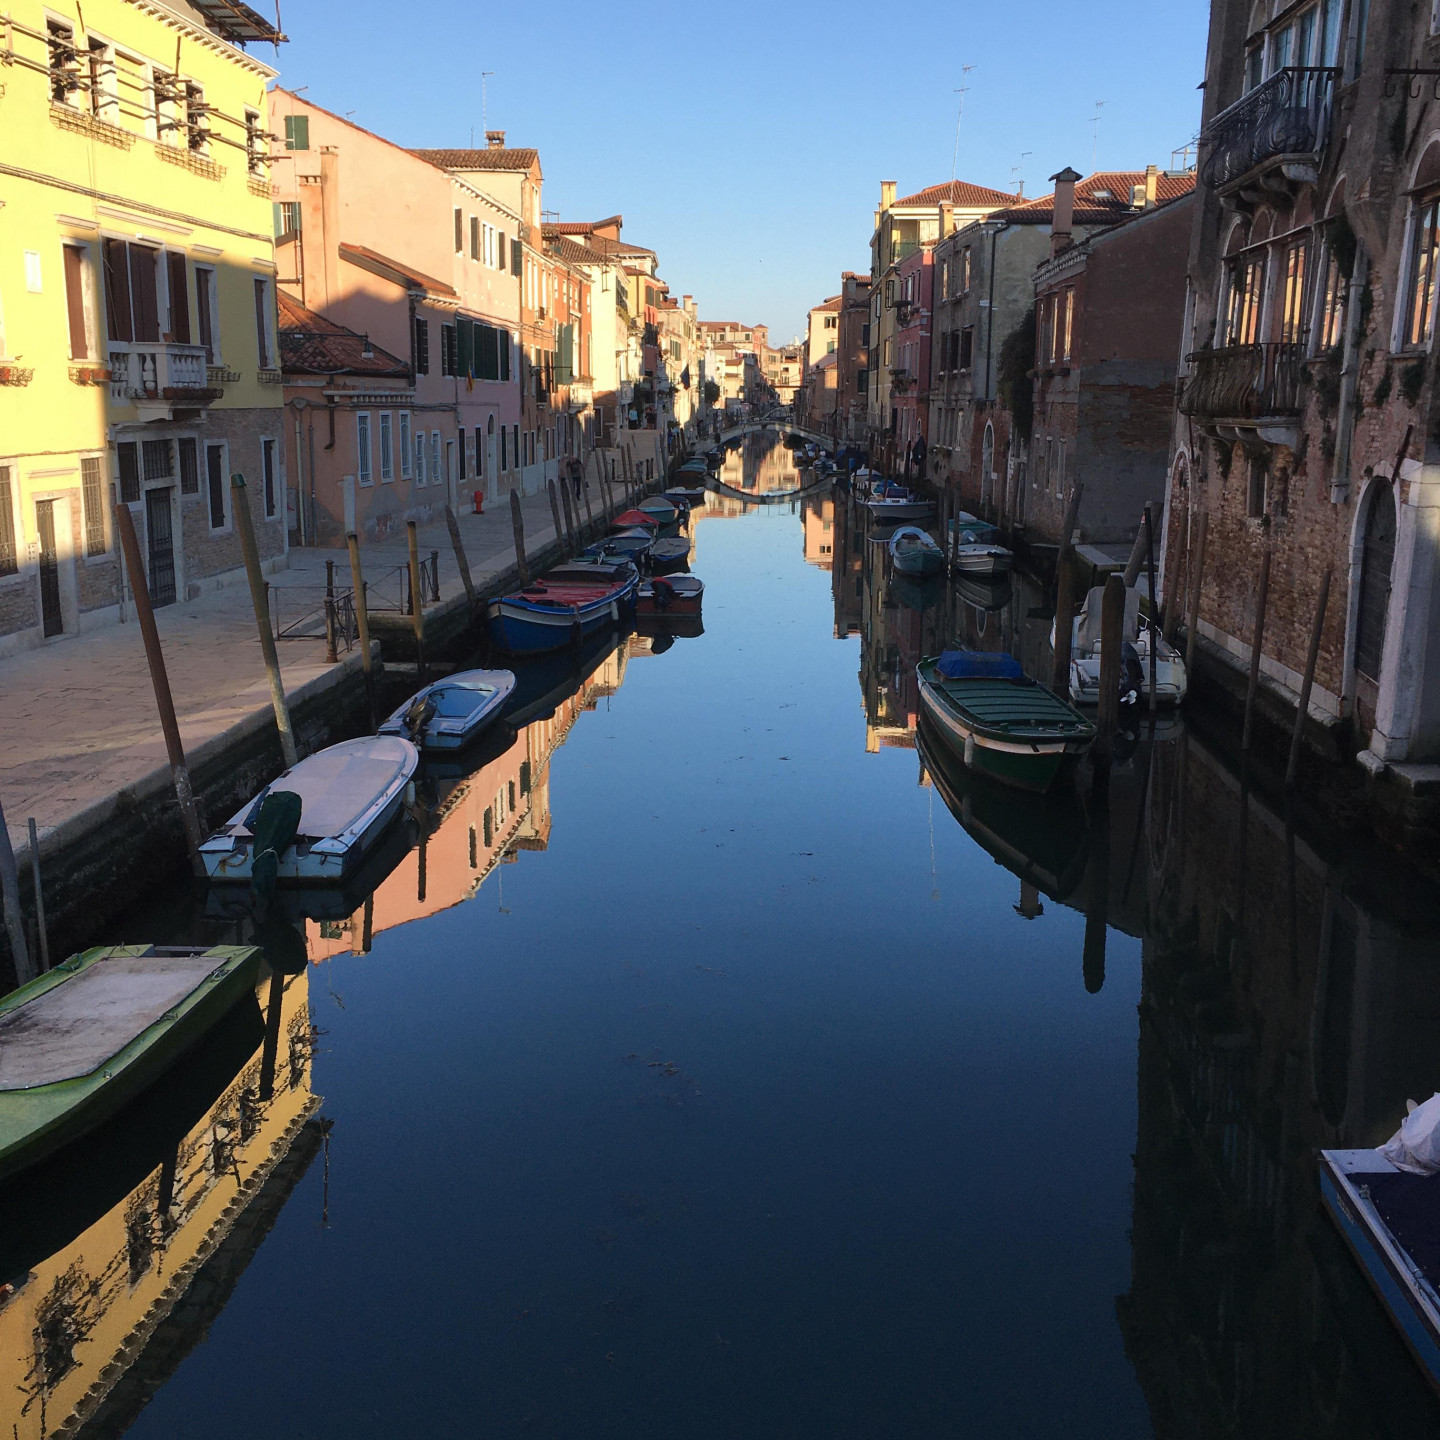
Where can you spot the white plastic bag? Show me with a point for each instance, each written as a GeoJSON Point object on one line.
{"type": "Point", "coordinates": [1415, 1146]}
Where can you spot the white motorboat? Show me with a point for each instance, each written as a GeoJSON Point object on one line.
{"type": "Point", "coordinates": [319, 818]}
{"type": "Point", "coordinates": [1139, 633]}
{"type": "Point", "coordinates": [983, 559]}
{"type": "Point", "coordinates": [913, 552]}
{"type": "Point", "coordinates": [452, 712]}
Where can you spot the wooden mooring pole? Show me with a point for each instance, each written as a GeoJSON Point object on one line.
{"type": "Point", "coordinates": [1112, 627]}
{"type": "Point", "coordinates": [244, 527]}
{"type": "Point", "coordinates": [1192, 609]}
{"type": "Point", "coordinates": [1262, 595]}
{"type": "Point", "coordinates": [555, 514]}
{"type": "Point", "coordinates": [1303, 710]}
{"type": "Point", "coordinates": [362, 616]}
{"type": "Point", "coordinates": [1064, 625]}
{"type": "Point", "coordinates": [39, 895]}
{"type": "Point", "coordinates": [417, 600]}
{"type": "Point", "coordinates": [461, 561]}
{"type": "Point", "coordinates": [160, 681]}
{"type": "Point", "coordinates": [1154, 607]}
{"type": "Point", "coordinates": [517, 524]}
{"type": "Point", "coordinates": [568, 510]}
{"type": "Point", "coordinates": [10, 896]}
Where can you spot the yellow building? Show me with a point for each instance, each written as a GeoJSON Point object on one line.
{"type": "Point", "coordinates": [137, 303]}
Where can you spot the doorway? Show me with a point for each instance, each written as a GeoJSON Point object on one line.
{"type": "Point", "coordinates": [160, 538]}
{"type": "Point", "coordinates": [53, 622]}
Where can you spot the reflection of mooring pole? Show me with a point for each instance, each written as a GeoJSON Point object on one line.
{"type": "Point", "coordinates": [362, 617]}
{"type": "Point", "coordinates": [271, 1046]}
{"type": "Point", "coordinates": [155, 657]}
{"type": "Point", "coordinates": [10, 899]}
{"type": "Point", "coordinates": [1098, 898]}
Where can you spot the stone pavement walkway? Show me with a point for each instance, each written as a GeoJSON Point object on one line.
{"type": "Point", "coordinates": [78, 720]}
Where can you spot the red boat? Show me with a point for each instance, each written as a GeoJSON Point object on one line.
{"type": "Point", "coordinates": [628, 519]}
{"type": "Point", "coordinates": [669, 595]}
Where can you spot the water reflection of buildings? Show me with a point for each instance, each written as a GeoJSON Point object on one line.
{"type": "Point", "coordinates": [478, 822]}
{"type": "Point", "coordinates": [817, 518]}
{"type": "Point", "coordinates": [110, 1289]}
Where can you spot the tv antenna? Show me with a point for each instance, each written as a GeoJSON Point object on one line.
{"type": "Point", "coordinates": [1019, 170]}
{"type": "Point", "coordinates": [485, 99]}
{"type": "Point", "coordinates": [959, 111]}
{"type": "Point", "coordinates": [1095, 131]}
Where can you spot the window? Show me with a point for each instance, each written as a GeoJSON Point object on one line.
{"type": "Point", "coordinates": [205, 313]}
{"type": "Point", "coordinates": [965, 268]}
{"type": "Point", "coordinates": [421, 346]}
{"type": "Point", "coordinates": [437, 476]}
{"type": "Point", "coordinates": [449, 351]}
{"type": "Point", "coordinates": [9, 550]}
{"type": "Point", "coordinates": [1330, 329]}
{"type": "Point", "coordinates": [1255, 488]}
{"type": "Point", "coordinates": [64, 62]}
{"type": "Point", "coordinates": [215, 484]}
{"type": "Point", "coordinates": [480, 450]}
{"type": "Point", "coordinates": [406, 468]}
{"type": "Point", "coordinates": [504, 453]}
{"type": "Point", "coordinates": [1376, 564]}
{"type": "Point", "coordinates": [967, 347]}
{"type": "Point", "coordinates": [362, 448]}
{"type": "Point", "coordinates": [387, 456]}
{"type": "Point", "coordinates": [420, 457]}
{"type": "Point", "coordinates": [464, 469]}
{"type": "Point", "coordinates": [132, 309]}
{"type": "Point", "coordinates": [264, 350]}
{"type": "Point", "coordinates": [189, 465]}
{"type": "Point", "coordinates": [1067, 322]}
{"type": "Point", "coordinates": [1419, 284]}
{"type": "Point", "coordinates": [459, 232]}
{"type": "Point", "coordinates": [254, 152]}
{"type": "Point", "coordinates": [269, 478]}
{"type": "Point", "coordinates": [1292, 318]}
{"type": "Point", "coordinates": [75, 287]}
{"type": "Point", "coordinates": [474, 236]}
{"type": "Point", "coordinates": [297, 132]}
{"type": "Point", "coordinates": [92, 496]}
{"type": "Point", "coordinates": [1245, 291]}
{"type": "Point", "coordinates": [515, 443]}
{"type": "Point", "coordinates": [1060, 467]}
{"type": "Point", "coordinates": [127, 455]}
{"type": "Point", "coordinates": [197, 114]}
{"type": "Point", "coordinates": [157, 457]}
{"type": "Point", "coordinates": [289, 214]}
{"type": "Point", "coordinates": [178, 297]}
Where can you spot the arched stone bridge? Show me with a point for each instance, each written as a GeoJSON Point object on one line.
{"type": "Point", "coordinates": [772, 497]}
{"type": "Point", "coordinates": [754, 427]}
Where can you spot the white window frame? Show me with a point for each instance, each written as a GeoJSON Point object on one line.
{"type": "Point", "coordinates": [407, 466]}
{"type": "Point", "coordinates": [387, 449]}
{"type": "Point", "coordinates": [420, 457]}
{"type": "Point", "coordinates": [89, 303]}
{"type": "Point", "coordinates": [437, 475]}
{"type": "Point", "coordinates": [207, 296]}
{"type": "Point", "coordinates": [364, 459]}
{"type": "Point", "coordinates": [270, 360]}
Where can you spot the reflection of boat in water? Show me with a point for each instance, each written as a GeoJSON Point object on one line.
{"type": "Point", "coordinates": [542, 685]}
{"type": "Point", "coordinates": [116, 1256]}
{"type": "Point", "coordinates": [1039, 838]}
{"type": "Point", "coordinates": [984, 592]}
{"type": "Point", "coordinates": [916, 594]}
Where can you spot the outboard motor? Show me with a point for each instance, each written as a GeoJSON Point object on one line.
{"type": "Point", "coordinates": [1132, 677]}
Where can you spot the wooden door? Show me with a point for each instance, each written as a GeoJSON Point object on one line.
{"type": "Point", "coordinates": [160, 537]}
{"type": "Point", "coordinates": [52, 620]}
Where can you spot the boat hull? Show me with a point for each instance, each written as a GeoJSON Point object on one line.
{"type": "Point", "coordinates": [987, 565]}
{"type": "Point", "coordinates": [447, 733]}
{"type": "Point", "coordinates": [519, 628]}
{"type": "Point", "coordinates": [38, 1121]}
{"type": "Point", "coordinates": [919, 562]}
{"type": "Point", "coordinates": [901, 512]}
{"type": "Point", "coordinates": [1024, 767]}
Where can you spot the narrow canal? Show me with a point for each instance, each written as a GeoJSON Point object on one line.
{"type": "Point", "coordinates": [722, 1064]}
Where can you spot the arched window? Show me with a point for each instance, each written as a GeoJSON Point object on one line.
{"type": "Point", "coordinates": [1422, 253]}
{"type": "Point", "coordinates": [1377, 560]}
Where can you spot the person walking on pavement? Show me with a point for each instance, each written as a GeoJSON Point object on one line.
{"type": "Point", "coordinates": [577, 475]}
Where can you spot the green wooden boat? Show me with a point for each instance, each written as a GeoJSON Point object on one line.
{"type": "Point", "coordinates": [998, 721]}
{"type": "Point", "coordinates": [85, 1038]}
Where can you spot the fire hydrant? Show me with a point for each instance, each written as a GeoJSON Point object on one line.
{"type": "Point", "coordinates": [479, 502]}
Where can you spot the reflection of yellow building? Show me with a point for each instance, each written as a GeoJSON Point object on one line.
{"type": "Point", "coordinates": [484, 820]}
{"type": "Point", "coordinates": [72, 1329]}
{"type": "Point", "coordinates": [818, 515]}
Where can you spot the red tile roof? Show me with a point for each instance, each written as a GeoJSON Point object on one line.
{"type": "Point", "coordinates": [959, 192]}
{"type": "Point", "coordinates": [491, 158]}
{"type": "Point", "coordinates": [312, 345]}
{"type": "Point", "coordinates": [1103, 198]}
{"type": "Point", "coordinates": [403, 275]}
{"type": "Point", "coordinates": [583, 227]}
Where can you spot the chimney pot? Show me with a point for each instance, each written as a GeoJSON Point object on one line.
{"type": "Point", "coordinates": [887, 194]}
{"type": "Point", "coordinates": [1063, 213]}
{"type": "Point", "coordinates": [495, 139]}
{"type": "Point", "coordinates": [947, 219]}
{"type": "Point", "coordinates": [1152, 186]}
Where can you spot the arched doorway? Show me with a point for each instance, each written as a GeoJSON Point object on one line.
{"type": "Point", "coordinates": [1376, 561]}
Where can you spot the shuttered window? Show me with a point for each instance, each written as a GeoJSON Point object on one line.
{"type": "Point", "coordinates": [92, 494]}
{"type": "Point", "coordinates": [205, 308]}
{"type": "Point", "coordinates": [474, 237]}
{"type": "Point", "coordinates": [500, 252]}
{"type": "Point", "coordinates": [465, 336]}
{"type": "Point", "coordinates": [262, 323]}
{"type": "Point", "coordinates": [459, 233]}
{"type": "Point", "coordinates": [422, 345]}
{"type": "Point", "coordinates": [215, 480]}
{"type": "Point", "coordinates": [75, 302]}
{"type": "Point", "coordinates": [189, 466]}
{"type": "Point", "coordinates": [489, 358]}
{"type": "Point", "coordinates": [127, 455]}
{"type": "Point", "coordinates": [179, 297]}
{"type": "Point", "coordinates": [387, 449]}
{"type": "Point", "coordinates": [117, 290]}
{"type": "Point", "coordinates": [144, 294]}
{"type": "Point", "coordinates": [504, 354]}
{"type": "Point", "coordinates": [9, 558]}
{"type": "Point", "coordinates": [297, 132]}
{"type": "Point", "coordinates": [271, 486]}
{"type": "Point", "coordinates": [405, 450]}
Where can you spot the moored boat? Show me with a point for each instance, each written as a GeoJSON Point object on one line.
{"type": "Point", "coordinates": [670, 595]}
{"type": "Point", "coordinates": [314, 823]}
{"type": "Point", "coordinates": [633, 544]}
{"type": "Point", "coordinates": [997, 720]}
{"type": "Point", "coordinates": [914, 552]}
{"type": "Point", "coordinates": [690, 496]}
{"type": "Point", "coordinates": [86, 1037]}
{"type": "Point", "coordinates": [663, 513]}
{"type": "Point", "coordinates": [452, 712]}
{"type": "Point", "coordinates": [893, 504]}
{"type": "Point", "coordinates": [1137, 636]}
{"type": "Point", "coordinates": [668, 556]}
{"type": "Point", "coordinates": [563, 606]}
{"type": "Point", "coordinates": [630, 519]}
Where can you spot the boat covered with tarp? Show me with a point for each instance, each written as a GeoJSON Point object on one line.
{"type": "Point", "coordinates": [563, 606]}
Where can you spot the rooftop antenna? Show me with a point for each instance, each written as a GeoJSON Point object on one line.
{"type": "Point", "coordinates": [959, 111]}
{"type": "Point", "coordinates": [1019, 170]}
{"type": "Point", "coordinates": [1095, 131]}
{"type": "Point", "coordinates": [485, 99]}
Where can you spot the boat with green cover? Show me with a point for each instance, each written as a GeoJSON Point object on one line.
{"type": "Point", "coordinates": [85, 1038]}
{"type": "Point", "coordinates": [997, 720]}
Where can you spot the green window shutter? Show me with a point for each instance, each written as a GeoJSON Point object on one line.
{"type": "Point", "coordinates": [504, 354]}
{"type": "Point", "coordinates": [489, 366]}
{"type": "Point", "coordinates": [297, 132]}
{"type": "Point", "coordinates": [517, 258]}
{"type": "Point", "coordinates": [466, 327]}
{"type": "Point", "coordinates": [500, 251]}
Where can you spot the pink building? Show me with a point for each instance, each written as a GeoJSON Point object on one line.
{"type": "Point", "coordinates": [417, 262]}
{"type": "Point", "coordinates": [910, 373]}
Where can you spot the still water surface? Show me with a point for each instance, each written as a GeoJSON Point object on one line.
{"type": "Point", "coordinates": [702, 1073]}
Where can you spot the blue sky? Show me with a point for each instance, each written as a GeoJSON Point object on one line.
{"type": "Point", "coordinates": [746, 142]}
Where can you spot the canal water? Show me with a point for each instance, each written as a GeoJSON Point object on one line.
{"type": "Point", "coordinates": [713, 1059]}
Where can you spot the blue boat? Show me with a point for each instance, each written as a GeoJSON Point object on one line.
{"type": "Point", "coordinates": [631, 545]}
{"type": "Point", "coordinates": [449, 714]}
{"type": "Point", "coordinates": [563, 606]}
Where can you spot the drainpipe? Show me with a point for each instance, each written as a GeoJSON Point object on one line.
{"type": "Point", "coordinates": [300, 469]}
{"type": "Point", "coordinates": [1349, 378]}
{"type": "Point", "coordinates": [990, 321]}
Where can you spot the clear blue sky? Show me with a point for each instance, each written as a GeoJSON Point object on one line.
{"type": "Point", "coordinates": [746, 142]}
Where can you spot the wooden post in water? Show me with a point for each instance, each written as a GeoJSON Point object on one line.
{"type": "Point", "coordinates": [1097, 899]}
{"type": "Point", "coordinates": [1112, 630]}
{"type": "Point", "coordinates": [1150, 587]}
{"type": "Point", "coordinates": [461, 561]}
{"type": "Point", "coordinates": [362, 615]}
{"type": "Point", "coordinates": [10, 897]}
{"type": "Point", "coordinates": [1192, 609]}
{"type": "Point", "coordinates": [332, 654]}
{"type": "Point", "coordinates": [1316, 630]}
{"type": "Point", "coordinates": [1064, 625]}
{"type": "Point", "coordinates": [517, 523]}
{"type": "Point", "coordinates": [160, 681]}
{"type": "Point", "coordinates": [417, 600]}
{"type": "Point", "coordinates": [39, 895]}
{"type": "Point", "coordinates": [571, 524]}
{"type": "Point", "coordinates": [1072, 518]}
{"type": "Point", "coordinates": [240, 504]}
{"type": "Point", "coordinates": [1261, 596]}
{"type": "Point", "coordinates": [589, 514]}
{"type": "Point", "coordinates": [555, 514]}
{"type": "Point", "coordinates": [1137, 554]}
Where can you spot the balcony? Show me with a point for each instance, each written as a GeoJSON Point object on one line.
{"type": "Point", "coordinates": [1283, 124]}
{"type": "Point", "coordinates": [1246, 391]}
{"type": "Point", "coordinates": [159, 379]}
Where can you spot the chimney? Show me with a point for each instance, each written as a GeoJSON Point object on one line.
{"type": "Point", "coordinates": [887, 194]}
{"type": "Point", "coordinates": [1152, 186]}
{"type": "Point", "coordinates": [495, 139]}
{"type": "Point", "coordinates": [947, 218]}
{"type": "Point", "coordinates": [1063, 214]}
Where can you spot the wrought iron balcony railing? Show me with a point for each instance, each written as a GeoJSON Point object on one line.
{"type": "Point", "coordinates": [1244, 382]}
{"type": "Point", "coordinates": [1288, 114]}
